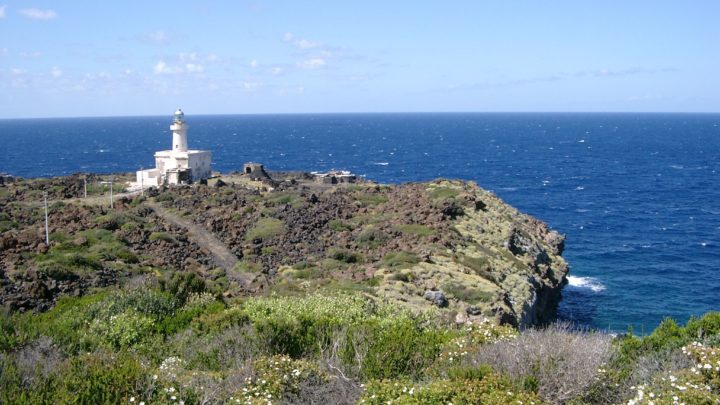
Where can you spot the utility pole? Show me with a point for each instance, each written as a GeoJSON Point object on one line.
{"type": "Point", "coordinates": [85, 185]}
{"type": "Point", "coordinates": [47, 231]}
{"type": "Point", "coordinates": [111, 193]}
{"type": "Point", "coordinates": [142, 182]}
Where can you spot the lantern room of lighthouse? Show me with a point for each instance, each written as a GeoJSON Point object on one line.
{"type": "Point", "coordinates": [179, 165]}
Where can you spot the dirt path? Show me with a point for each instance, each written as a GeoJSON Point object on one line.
{"type": "Point", "coordinates": [222, 256]}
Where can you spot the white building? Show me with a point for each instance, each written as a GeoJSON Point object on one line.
{"type": "Point", "coordinates": [178, 165]}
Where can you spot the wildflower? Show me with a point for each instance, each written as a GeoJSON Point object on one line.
{"type": "Point", "coordinates": [132, 399]}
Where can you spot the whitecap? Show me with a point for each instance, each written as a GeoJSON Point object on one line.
{"type": "Point", "coordinates": [678, 167]}
{"type": "Point", "coordinates": [580, 188]}
{"type": "Point", "coordinates": [590, 283]}
{"type": "Point", "coordinates": [381, 163]}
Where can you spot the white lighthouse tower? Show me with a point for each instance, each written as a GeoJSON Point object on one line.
{"type": "Point", "coordinates": [179, 129]}
{"type": "Point", "coordinates": [178, 165]}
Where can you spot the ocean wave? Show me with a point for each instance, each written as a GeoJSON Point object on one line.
{"type": "Point", "coordinates": [590, 283]}
{"type": "Point", "coordinates": [381, 163]}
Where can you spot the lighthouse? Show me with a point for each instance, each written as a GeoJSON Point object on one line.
{"type": "Point", "coordinates": [178, 165]}
{"type": "Point", "coordinates": [179, 130]}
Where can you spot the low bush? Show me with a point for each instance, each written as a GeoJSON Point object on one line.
{"type": "Point", "coordinates": [487, 388]}
{"type": "Point", "coordinates": [163, 236]}
{"type": "Point", "coordinates": [467, 294]}
{"type": "Point", "coordinates": [372, 237]}
{"type": "Point", "coordinates": [400, 260]}
{"type": "Point", "coordinates": [562, 363]}
{"type": "Point", "coordinates": [439, 193]}
{"type": "Point", "coordinates": [265, 228]}
{"type": "Point", "coordinates": [345, 256]}
{"type": "Point", "coordinates": [339, 225]}
{"type": "Point", "coordinates": [416, 229]}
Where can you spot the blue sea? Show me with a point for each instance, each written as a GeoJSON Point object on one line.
{"type": "Point", "coordinates": [638, 195]}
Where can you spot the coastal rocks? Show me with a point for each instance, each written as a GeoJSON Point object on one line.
{"type": "Point", "coordinates": [437, 298]}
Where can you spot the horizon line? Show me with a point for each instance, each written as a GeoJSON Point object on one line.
{"type": "Point", "coordinates": [369, 113]}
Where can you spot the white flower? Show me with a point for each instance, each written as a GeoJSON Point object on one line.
{"type": "Point", "coordinates": [132, 399]}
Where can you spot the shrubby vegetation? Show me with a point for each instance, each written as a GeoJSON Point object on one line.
{"type": "Point", "coordinates": [174, 342]}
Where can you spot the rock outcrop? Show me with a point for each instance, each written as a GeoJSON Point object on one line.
{"type": "Point", "coordinates": [448, 245]}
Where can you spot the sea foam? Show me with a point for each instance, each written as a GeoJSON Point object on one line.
{"type": "Point", "coordinates": [590, 283]}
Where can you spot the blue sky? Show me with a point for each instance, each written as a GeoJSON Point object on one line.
{"type": "Point", "coordinates": [103, 58]}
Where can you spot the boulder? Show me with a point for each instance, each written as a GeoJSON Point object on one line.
{"type": "Point", "coordinates": [437, 298]}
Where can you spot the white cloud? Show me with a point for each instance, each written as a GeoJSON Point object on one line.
{"type": "Point", "coordinates": [158, 37]}
{"type": "Point", "coordinates": [300, 43]}
{"type": "Point", "coordinates": [251, 85]}
{"type": "Point", "coordinates": [2, 11]}
{"type": "Point", "coordinates": [305, 44]}
{"type": "Point", "coordinates": [162, 68]}
{"type": "Point", "coordinates": [188, 57]}
{"type": "Point", "coordinates": [55, 72]}
{"type": "Point", "coordinates": [276, 70]}
{"type": "Point", "coordinates": [17, 72]}
{"type": "Point", "coordinates": [253, 63]}
{"type": "Point", "coordinates": [313, 63]}
{"type": "Point", "coordinates": [194, 68]}
{"type": "Point", "coordinates": [38, 14]}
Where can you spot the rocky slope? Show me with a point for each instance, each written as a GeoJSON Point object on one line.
{"type": "Point", "coordinates": [446, 244]}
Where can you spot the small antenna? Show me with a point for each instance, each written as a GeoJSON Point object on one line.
{"type": "Point", "coordinates": [47, 231]}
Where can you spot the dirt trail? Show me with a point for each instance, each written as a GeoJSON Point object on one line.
{"type": "Point", "coordinates": [222, 256]}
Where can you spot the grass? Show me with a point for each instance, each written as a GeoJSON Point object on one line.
{"type": "Point", "coordinates": [366, 199]}
{"type": "Point", "coordinates": [245, 266]}
{"type": "Point", "coordinates": [400, 260]}
{"type": "Point", "coordinates": [164, 236]}
{"type": "Point", "coordinates": [440, 193]}
{"type": "Point", "coordinates": [371, 237]}
{"type": "Point", "coordinates": [467, 294]}
{"type": "Point", "coordinates": [82, 253]}
{"type": "Point", "coordinates": [479, 265]}
{"type": "Point", "coordinates": [339, 225]}
{"type": "Point", "coordinates": [345, 256]}
{"type": "Point", "coordinates": [416, 229]}
{"type": "Point", "coordinates": [265, 228]}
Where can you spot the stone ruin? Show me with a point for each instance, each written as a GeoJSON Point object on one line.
{"type": "Point", "coordinates": [334, 177]}
{"type": "Point", "coordinates": [256, 171]}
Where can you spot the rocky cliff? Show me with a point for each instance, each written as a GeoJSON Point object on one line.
{"type": "Point", "coordinates": [446, 244]}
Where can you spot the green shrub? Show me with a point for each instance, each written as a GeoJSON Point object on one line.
{"type": "Point", "coordinates": [123, 330]}
{"type": "Point", "coordinates": [403, 348]}
{"type": "Point", "coordinates": [163, 236]}
{"type": "Point", "coordinates": [372, 237]}
{"type": "Point", "coordinates": [400, 260]}
{"type": "Point", "coordinates": [416, 230]}
{"type": "Point", "coordinates": [369, 199]}
{"type": "Point", "coordinates": [100, 379]}
{"type": "Point", "coordinates": [345, 256]}
{"type": "Point", "coordinates": [479, 265]}
{"type": "Point", "coordinates": [439, 193]}
{"type": "Point", "coordinates": [265, 228]}
{"type": "Point", "coordinates": [246, 266]}
{"type": "Point", "coordinates": [181, 284]}
{"type": "Point", "coordinates": [214, 322]}
{"type": "Point", "coordinates": [282, 199]}
{"type": "Point", "coordinates": [339, 225]}
{"type": "Point", "coordinates": [404, 277]}
{"type": "Point", "coordinates": [467, 294]}
{"type": "Point", "coordinates": [490, 389]}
